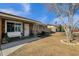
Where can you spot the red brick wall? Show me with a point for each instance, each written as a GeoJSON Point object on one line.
{"type": "Point", "coordinates": [75, 30]}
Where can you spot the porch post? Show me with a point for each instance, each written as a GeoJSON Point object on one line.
{"type": "Point", "coordinates": [34, 29]}
{"type": "Point", "coordinates": [0, 30]}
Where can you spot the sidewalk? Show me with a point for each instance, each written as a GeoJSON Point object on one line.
{"type": "Point", "coordinates": [11, 47]}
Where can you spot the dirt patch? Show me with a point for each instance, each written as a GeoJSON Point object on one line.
{"type": "Point", "coordinates": [48, 46]}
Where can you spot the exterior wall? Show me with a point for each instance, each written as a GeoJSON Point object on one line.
{"type": "Point", "coordinates": [34, 29]}
{"type": "Point", "coordinates": [31, 29]}
{"type": "Point", "coordinates": [52, 28]}
{"type": "Point", "coordinates": [39, 28]}
{"type": "Point", "coordinates": [23, 30]}
{"type": "Point", "coordinates": [12, 33]}
{"type": "Point", "coordinates": [0, 30]}
{"type": "Point", "coordinates": [3, 27]}
{"type": "Point", "coordinates": [75, 30]}
{"type": "Point", "coordinates": [43, 28]}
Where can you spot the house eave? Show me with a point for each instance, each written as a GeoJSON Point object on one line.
{"type": "Point", "coordinates": [17, 17]}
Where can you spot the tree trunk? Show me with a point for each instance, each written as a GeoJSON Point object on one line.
{"type": "Point", "coordinates": [69, 34]}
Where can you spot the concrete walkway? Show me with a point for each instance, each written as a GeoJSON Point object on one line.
{"type": "Point", "coordinates": [11, 47]}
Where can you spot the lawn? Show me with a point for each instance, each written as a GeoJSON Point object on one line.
{"type": "Point", "coordinates": [48, 46]}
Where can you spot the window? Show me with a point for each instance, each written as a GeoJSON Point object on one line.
{"type": "Point", "coordinates": [17, 27]}
{"type": "Point", "coordinates": [13, 27]}
{"type": "Point", "coordinates": [10, 27]}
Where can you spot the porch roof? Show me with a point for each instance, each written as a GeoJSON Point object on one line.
{"type": "Point", "coordinates": [2, 14]}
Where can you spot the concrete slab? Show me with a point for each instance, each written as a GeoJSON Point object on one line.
{"type": "Point", "coordinates": [11, 47]}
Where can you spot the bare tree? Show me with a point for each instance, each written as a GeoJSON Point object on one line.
{"type": "Point", "coordinates": [63, 10]}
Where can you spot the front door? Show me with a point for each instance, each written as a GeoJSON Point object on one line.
{"type": "Point", "coordinates": [26, 30]}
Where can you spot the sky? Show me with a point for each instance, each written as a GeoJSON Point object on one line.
{"type": "Point", "coordinates": [35, 11]}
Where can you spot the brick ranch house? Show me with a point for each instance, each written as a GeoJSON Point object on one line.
{"type": "Point", "coordinates": [16, 26]}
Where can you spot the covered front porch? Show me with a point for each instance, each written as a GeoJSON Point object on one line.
{"type": "Point", "coordinates": [12, 30]}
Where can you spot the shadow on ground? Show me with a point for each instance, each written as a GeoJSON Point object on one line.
{"type": "Point", "coordinates": [17, 43]}
{"type": "Point", "coordinates": [20, 42]}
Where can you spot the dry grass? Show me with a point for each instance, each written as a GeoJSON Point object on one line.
{"type": "Point", "coordinates": [49, 46]}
